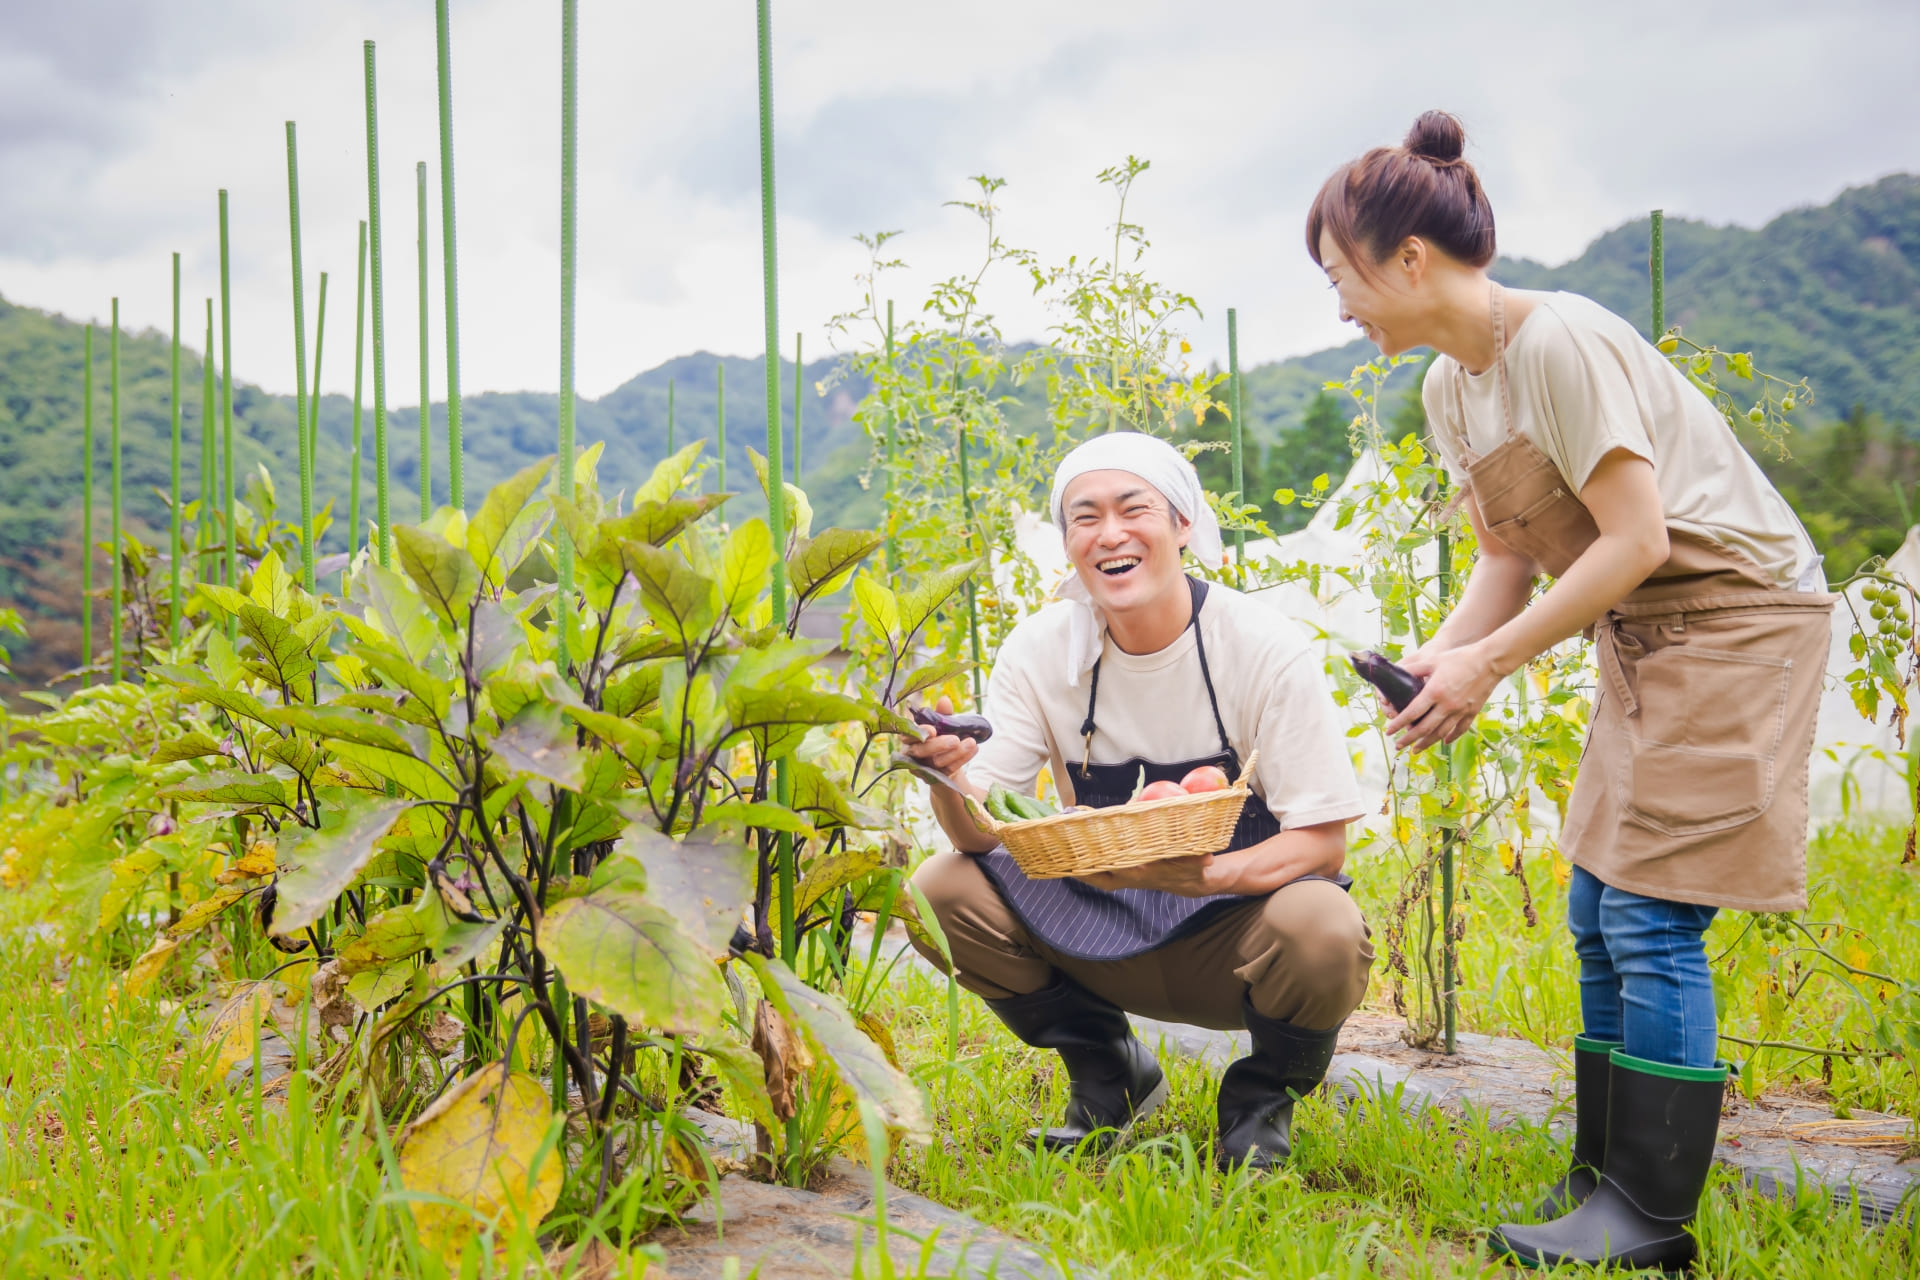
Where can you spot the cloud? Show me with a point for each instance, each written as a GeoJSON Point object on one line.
{"type": "Point", "coordinates": [120, 119]}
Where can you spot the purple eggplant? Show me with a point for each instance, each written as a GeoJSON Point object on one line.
{"type": "Point", "coordinates": [1396, 684]}
{"type": "Point", "coordinates": [958, 726]}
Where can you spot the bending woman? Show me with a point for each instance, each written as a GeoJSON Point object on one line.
{"type": "Point", "coordinates": [1583, 453]}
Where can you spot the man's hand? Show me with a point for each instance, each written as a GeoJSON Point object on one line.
{"type": "Point", "coordinates": [945, 752]}
{"type": "Point", "coordinates": [1320, 849]}
{"type": "Point", "coordinates": [1193, 877]}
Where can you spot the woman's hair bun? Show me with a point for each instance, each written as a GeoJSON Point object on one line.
{"type": "Point", "coordinates": [1437, 136]}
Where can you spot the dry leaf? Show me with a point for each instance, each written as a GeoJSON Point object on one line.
{"type": "Point", "coordinates": [785, 1055]}
{"type": "Point", "coordinates": [476, 1147]}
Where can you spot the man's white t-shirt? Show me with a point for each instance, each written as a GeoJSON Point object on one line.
{"type": "Point", "coordinates": [1583, 382]}
{"type": "Point", "coordinates": [1272, 694]}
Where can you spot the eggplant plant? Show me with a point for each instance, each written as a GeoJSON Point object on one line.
{"type": "Point", "coordinates": [431, 817]}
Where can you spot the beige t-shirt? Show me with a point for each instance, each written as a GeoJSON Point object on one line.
{"type": "Point", "coordinates": [1272, 693]}
{"type": "Point", "coordinates": [1583, 382]}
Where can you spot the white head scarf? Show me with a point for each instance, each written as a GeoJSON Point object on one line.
{"type": "Point", "coordinates": [1163, 467]}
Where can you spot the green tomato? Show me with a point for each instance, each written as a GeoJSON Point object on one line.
{"type": "Point", "coordinates": [1904, 631]}
{"type": "Point", "coordinates": [1887, 626]}
{"type": "Point", "coordinates": [1786, 405]}
{"type": "Point", "coordinates": [1756, 414]}
{"type": "Point", "coordinates": [1879, 610]}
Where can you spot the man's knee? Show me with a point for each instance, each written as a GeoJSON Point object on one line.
{"type": "Point", "coordinates": [986, 939]}
{"type": "Point", "coordinates": [1318, 954]}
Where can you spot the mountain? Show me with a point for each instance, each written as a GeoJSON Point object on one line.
{"type": "Point", "coordinates": [1832, 293]}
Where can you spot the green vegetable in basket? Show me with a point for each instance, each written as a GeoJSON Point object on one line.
{"type": "Point", "coordinates": [1008, 805]}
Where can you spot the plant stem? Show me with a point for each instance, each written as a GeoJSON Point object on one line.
{"type": "Point", "coordinates": [300, 363]}
{"type": "Point", "coordinates": [776, 493]}
{"type": "Point", "coordinates": [173, 470]}
{"type": "Point", "coordinates": [226, 411]}
{"type": "Point", "coordinates": [1239, 431]}
{"type": "Point", "coordinates": [426, 389]}
{"type": "Point", "coordinates": [456, 448]}
{"type": "Point", "coordinates": [893, 549]}
{"type": "Point", "coordinates": [380, 505]}
{"type": "Point", "coordinates": [569, 141]}
{"type": "Point", "coordinates": [86, 512]}
{"type": "Point", "coordinates": [359, 352]}
{"type": "Point", "coordinates": [113, 620]}
{"type": "Point", "coordinates": [973, 612]}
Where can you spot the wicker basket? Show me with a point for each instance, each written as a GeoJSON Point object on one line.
{"type": "Point", "coordinates": [1084, 841]}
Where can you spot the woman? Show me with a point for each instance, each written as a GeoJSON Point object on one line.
{"type": "Point", "coordinates": [1583, 452]}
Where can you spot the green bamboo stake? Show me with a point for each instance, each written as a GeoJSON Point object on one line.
{"type": "Point", "coordinates": [86, 513]}
{"type": "Point", "coordinates": [359, 352]}
{"type": "Point", "coordinates": [1449, 955]}
{"type": "Point", "coordinates": [173, 484]}
{"type": "Point", "coordinates": [669, 417]}
{"type": "Point", "coordinates": [313, 406]}
{"type": "Point", "coordinates": [798, 386]}
{"type": "Point", "coordinates": [226, 411]}
{"type": "Point", "coordinates": [209, 478]}
{"type": "Point", "coordinates": [456, 449]}
{"type": "Point", "coordinates": [569, 141]}
{"type": "Point", "coordinates": [1657, 270]}
{"type": "Point", "coordinates": [119, 602]}
{"type": "Point", "coordinates": [893, 550]}
{"type": "Point", "coordinates": [720, 418]}
{"type": "Point", "coordinates": [776, 494]}
{"type": "Point", "coordinates": [300, 363]}
{"type": "Point", "coordinates": [426, 391]}
{"type": "Point", "coordinates": [380, 505]}
{"type": "Point", "coordinates": [1239, 437]}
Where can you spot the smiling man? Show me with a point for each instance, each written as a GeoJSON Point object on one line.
{"type": "Point", "coordinates": [1137, 667]}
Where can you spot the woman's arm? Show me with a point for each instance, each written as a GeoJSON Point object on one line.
{"type": "Point", "coordinates": [1501, 582]}
{"type": "Point", "coordinates": [1625, 502]}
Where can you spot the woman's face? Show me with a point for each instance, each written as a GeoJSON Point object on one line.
{"type": "Point", "coordinates": [1383, 300]}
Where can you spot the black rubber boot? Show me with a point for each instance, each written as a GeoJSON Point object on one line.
{"type": "Point", "coordinates": [1661, 1125]}
{"type": "Point", "coordinates": [1257, 1093]}
{"type": "Point", "coordinates": [1115, 1079]}
{"type": "Point", "coordinates": [1591, 1068]}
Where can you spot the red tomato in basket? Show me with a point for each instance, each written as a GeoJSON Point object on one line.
{"type": "Point", "coordinates": [1161, 791]}
{"type": "Point", "coordinates": [1208, 777]}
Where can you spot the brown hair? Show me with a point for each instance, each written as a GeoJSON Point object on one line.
{"type": "Point", "coordinates": [1423, 187]}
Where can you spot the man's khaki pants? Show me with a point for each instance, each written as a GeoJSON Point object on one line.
{"type": "Point", "coordinates": [1302, 952]}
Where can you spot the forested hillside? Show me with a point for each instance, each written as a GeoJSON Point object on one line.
{"type": "Point", "coordinates": [1831, 293]}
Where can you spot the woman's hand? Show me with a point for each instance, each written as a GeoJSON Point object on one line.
{"type": "Point", "coordinates": [1459, 682]}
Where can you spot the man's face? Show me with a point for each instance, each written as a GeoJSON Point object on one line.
{"type": "Point", "coordinates": [1123, 538]}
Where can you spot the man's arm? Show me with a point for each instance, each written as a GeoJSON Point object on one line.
{"type": "Point", "coordinates": [950, 755]}
{"type": "Point", "coordinates": [1320, 849]}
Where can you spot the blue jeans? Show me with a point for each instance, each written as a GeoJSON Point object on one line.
{"type": "Point", "coordinates": [1643, 972]}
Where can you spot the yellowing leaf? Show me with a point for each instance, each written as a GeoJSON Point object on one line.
{"type": "Point", "coordinates": [481, 1146]}
{"type": "Point", "coordinates": [232, 1031]}
{"type": "Point", "coordinates": [143, 971]}
{"type": "Point", "coordinates": [258, 861]}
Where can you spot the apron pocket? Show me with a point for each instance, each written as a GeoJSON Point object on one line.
{"type": "Point", "coordinates": [1554, 532]}
{"type": "Point", "coordinates": [1710, 724]}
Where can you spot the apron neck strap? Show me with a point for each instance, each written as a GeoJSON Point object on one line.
{"type": "Point", "coordinates": [1197, 592]}
{"type": "Point", "coordinates": [1497, 310]}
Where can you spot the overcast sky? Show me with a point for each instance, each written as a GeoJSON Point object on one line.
{"type": "Point", "coordinates": [120, 119]}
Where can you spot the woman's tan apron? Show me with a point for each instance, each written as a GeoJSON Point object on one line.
{"type": "Point", "coordinates": [1693, 783]}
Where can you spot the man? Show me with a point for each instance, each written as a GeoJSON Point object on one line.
{"type": "Point", "coordinates": [1139, 666]}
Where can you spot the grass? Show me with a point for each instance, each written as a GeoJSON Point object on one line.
{"type": "Point", "coordinates": [122, 1159]}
